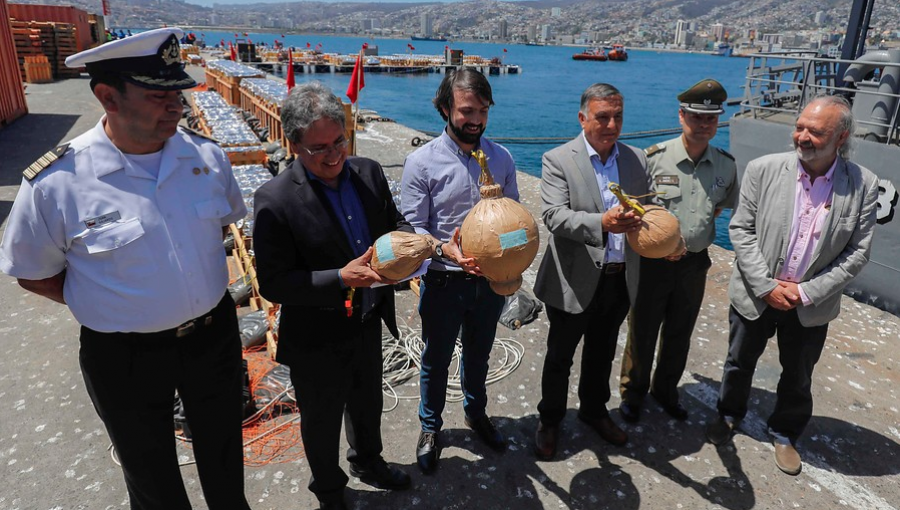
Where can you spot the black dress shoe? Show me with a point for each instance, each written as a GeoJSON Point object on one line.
{"type": "Point", "coordinates": [675, 410]}
{"type": "Point", "coordinates": [487, 432]}
{"type": "Point", "coordinates": [545, 441]}
{"type": "Point", "coordinates": [427, 452]}
{"type": "Point", "coordinates": [380, 474]}
{"type": "Point", "coordinates": [607, 429]}
{"type": "Point", "coordinates": [630, 412]}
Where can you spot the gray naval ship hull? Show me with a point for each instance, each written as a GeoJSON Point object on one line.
{"type": "Point", "coordinates": [879, 282]}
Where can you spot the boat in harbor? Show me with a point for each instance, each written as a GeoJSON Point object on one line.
{"type": "Point", "coordinates": [722, 49]}
{"type": "Point", "coordinates": [595, 54]}
{"type": "Point", "coordinates": [439, 38]}
{"type": "Point", "coordinates": [781, 84]}
{"type": "Point", "coordinates": [618, 53]}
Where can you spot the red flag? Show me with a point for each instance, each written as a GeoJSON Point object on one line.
{"type": "Point", "coordinates": [235, 34]}
{"type": "Point", "coordinates": [222, 43]}
{"type": "Point", "coordinates": [365, 45]}
{"type": "Point", "coordinates": [233, 52]}
{"type": "Point", "coordinates": [290, 71]}
{"type": "Point", "coordinates": [504, 50]}
{"type": "Point", "coordinates": [357, 80]}
{"type": "Point", "coordinates": [308, 45]}
{"type": "Point", "coordinates": [412, 48]}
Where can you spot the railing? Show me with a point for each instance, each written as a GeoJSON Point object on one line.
{"type": "Point", "coordinates": [784, 82]}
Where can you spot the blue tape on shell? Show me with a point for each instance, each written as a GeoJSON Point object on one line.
{"type": "Point", "coordinates": [513, 239]}
{"type": "Point", "coordinates": [383, 248]}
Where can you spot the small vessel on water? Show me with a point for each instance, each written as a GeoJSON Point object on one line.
{"type": "Point", "coordinates": [432, 38]}
{"type": "Point", "coordinates": [722, 49]}
{"type": "Point", "coordinates": [595, 54]}
{"type": "Point", "coordinates": [781, 84]}
{"type": "Point", "coordinates": [618, 53]}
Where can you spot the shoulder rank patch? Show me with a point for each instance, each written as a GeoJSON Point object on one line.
{"type": "Point", "coordinates": [653, 149]}
{"type": "Point", "coordinates": [198, 133]}
{"type": "Point", "coordinates": [725, 153]}
{"type": "Point", "coordinates": [44, 161]}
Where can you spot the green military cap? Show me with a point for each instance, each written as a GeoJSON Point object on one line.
{"type": "Point", "coordinates": [706, 96]}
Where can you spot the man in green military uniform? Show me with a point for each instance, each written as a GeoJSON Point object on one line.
{"type": "Point", "coordinates": [695, 181]}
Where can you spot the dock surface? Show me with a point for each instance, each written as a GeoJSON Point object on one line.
{"type": "Point", "coordinates": [54, 449]}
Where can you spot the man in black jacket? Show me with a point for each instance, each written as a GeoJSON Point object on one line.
{"type": "Point", "coordinates": [315, 224]}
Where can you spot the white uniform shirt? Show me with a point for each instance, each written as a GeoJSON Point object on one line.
{"type": "Point", "coordinates": [141, 254]}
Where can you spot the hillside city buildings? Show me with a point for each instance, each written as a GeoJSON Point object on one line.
{"type": "Point", "coordinates": [748, 24]}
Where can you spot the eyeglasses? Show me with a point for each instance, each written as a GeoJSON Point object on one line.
{"type": "Point", "coordinates": [337, 147]}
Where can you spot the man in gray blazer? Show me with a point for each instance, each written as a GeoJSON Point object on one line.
{"type": "Point", "coordinates": [582, 275]}
{"type": "Point", "coordinates": [802, 230]}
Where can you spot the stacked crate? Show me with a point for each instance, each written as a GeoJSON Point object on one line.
{"type": "Point", "coordinates": [65, 45]}
{"type": "Point", "coordinates": [27, 42]}
{"type": "Point", "coordinates": [56, 41]}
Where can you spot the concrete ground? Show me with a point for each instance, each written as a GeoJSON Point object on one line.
{"type": "Point", "coordinates": [53, 448]}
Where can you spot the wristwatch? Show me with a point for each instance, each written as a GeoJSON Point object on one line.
{"type": "Point", "coordinates": [438, 250]}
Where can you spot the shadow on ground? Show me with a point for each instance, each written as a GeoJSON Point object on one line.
{"type": "Point", "coordinates": [828, 443]}
{"type": "Point", "coordinates": [29, 138]}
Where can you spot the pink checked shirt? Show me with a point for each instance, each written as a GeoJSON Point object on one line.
{"type": "Point", "coordinates": [811, 205]}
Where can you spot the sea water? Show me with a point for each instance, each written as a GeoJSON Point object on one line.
{"type": "Point", "coordinates": [540, 102]}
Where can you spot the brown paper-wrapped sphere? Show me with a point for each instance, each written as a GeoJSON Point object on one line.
{"type": "Point", "coordinates": [502, 237]}
{"type": "Point", "coordinates": [398, 254]}
{"type": "Point", "coordinates": [659, 236]}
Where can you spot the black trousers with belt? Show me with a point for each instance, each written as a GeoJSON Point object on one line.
{"type": "Point", "coordinates": [599, 325]}
{"type": "Point", "coordinates": [799, 349]}
{"type": "Point", "coordinates": [131, 379]}
{"type": "Point", "coordinates": [339, 377]}
{"type": "Point", "coordinates": [668, 301]}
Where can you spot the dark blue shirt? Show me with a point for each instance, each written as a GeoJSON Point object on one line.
{"type": "Point", "coordinates": [348, 209]}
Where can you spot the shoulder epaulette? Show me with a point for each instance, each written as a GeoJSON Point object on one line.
{"type": "Point", "coordinates": [725, 153]}
{"type": "Point", "coordinates": [653, 149]}
{"type": "Point", "coordinates": [198, 133]}
{"type": "Point", "coordinates": [44, 161]}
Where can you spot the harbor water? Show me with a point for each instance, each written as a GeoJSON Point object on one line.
{"type": "Point", "coordinates": [540, 102]}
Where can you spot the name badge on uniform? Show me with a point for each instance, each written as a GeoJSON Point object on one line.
{"type": "Point", "coordinates": [720, 182]}
{"type": "Point", "coordinates": [105, 219]}
{"type": "Point", "coordinates": [667, 179]}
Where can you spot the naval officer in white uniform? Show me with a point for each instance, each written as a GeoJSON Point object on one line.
{"type": "Point", "coordinates": [124, 225]}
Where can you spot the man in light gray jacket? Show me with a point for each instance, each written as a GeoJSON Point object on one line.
{"type": "Point", "coordinates": [801, 232]}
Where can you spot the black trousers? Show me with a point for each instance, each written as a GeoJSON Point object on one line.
{"type": "Point", "coordinates": [334, 378]}
{"type": "Point", "coordinates": [799, 349]}
{"type": "Point", "coordinates": [131, 379]}
{"type": "Point", "coordinates": [599, 325]}
{"type": "Point", "coordinates": [666, 307]}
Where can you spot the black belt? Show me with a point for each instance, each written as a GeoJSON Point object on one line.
{"type": "Point", "coordinates": [461, 275]}
{"type": "Point", "coordinates": [613, 267]}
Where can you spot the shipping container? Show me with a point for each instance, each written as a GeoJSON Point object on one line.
{"type": "Point", "coordinates": [59, 14]}
{"type": "Point", "coordinates": [12, 96]}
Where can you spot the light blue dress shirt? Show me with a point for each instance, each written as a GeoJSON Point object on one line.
{"type": "Point", "coordinates": [606, 173]}
{"type": "Point", "coordinates": [440, 186]}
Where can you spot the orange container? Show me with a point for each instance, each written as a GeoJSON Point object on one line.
{"type": "Point", "coordinates": [59, 14]}
{"type": "Point", "coordinates": [12, 97]}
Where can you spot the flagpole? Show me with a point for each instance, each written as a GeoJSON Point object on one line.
{"type": "Point", "coordinates": [356, 114]}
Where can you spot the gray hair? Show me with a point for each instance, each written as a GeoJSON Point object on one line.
{"type": "Point", "coordinates": [846, 123]}
{"type": "Point", "coordinates": [597, 91]}
{"type": "Point", "coordinates": [306, 104]}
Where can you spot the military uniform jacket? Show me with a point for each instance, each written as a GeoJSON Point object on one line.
{"type": "Point", "coordinates": [141, 253]}
{"type": "Point", "coordinates": [692, 193]}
